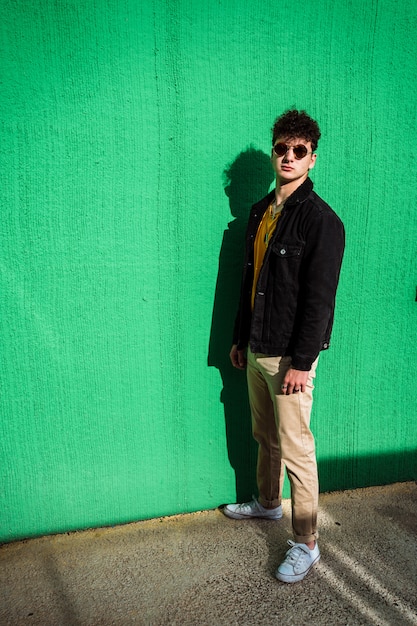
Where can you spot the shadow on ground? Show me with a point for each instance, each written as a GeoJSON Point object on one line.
{"type": "Point", "coordinates": [204, 568]}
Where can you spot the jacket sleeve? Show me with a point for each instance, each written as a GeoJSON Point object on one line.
{"type": "Point", "coordinates": [241, 329]}
{"type": "Point", "coordinates": [325, 242]}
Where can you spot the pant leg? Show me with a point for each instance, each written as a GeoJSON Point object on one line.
{"type": "Point", "coordinates": [295, 443]}
{"type": "Point", "coordinates": [270, 469]}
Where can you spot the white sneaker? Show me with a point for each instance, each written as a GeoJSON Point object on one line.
{"type": "Point", "coordinates": [252, 509]}
{"type": "Point", "coordinates": [298, 562]}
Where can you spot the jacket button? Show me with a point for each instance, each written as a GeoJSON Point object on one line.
{"type": "Point", "coordinates": [283, 251]}
{"type": "Point", "coordinates": [325, 345]}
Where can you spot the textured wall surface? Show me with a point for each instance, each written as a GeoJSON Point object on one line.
{"type": "Point", "coordinates": [135, 138]}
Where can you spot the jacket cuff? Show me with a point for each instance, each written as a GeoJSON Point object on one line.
{"type": "Point", "coordinates": [302, 362]}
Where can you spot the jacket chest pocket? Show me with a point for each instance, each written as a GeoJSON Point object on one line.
{"type": "Point", "coordinates": [285, 263]}
{"type": "Point", "coordinates": [287, 250]}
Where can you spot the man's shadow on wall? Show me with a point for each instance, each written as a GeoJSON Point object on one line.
{"type": "Point", "coordinates": [246, 180]}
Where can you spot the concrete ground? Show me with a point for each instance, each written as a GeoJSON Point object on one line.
{"type": "Point", "coordinates": [205, 569]}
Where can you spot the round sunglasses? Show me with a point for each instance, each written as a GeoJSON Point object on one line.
{"type": "Point", "coordinates": [299, 151]}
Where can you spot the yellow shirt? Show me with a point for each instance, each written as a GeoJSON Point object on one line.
{"type": "Point", "coordinates": [263, 236]}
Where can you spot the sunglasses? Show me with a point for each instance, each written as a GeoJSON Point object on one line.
{"type": "Point", "coordinates": [300, 151]}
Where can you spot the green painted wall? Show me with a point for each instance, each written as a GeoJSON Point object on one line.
{"type": "Point", "coordinates": [135, 135]}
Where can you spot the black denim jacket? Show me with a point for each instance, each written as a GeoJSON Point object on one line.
{"type": "Point", "coordinates": [296, 289]}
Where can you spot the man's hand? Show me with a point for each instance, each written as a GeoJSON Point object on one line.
{"type": "Point", "coordinates": [238, 357]}
{"type": "Point", "coordinates": [294, 381]}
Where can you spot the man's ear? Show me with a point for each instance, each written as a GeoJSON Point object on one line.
{"type": "Point", "coordinates": [313, 161]}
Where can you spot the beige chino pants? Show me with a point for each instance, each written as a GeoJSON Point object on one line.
{"type": "Point", "coordinates": [281, 426]}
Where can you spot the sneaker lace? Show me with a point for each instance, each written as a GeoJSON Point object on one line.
{"type": "Point", "coordinates": [295, 553]}
{"type": "Point", "coordinates": [253, 504]}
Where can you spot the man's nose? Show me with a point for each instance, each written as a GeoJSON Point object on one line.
{"type": "Point", "coordinates": [289, 155]}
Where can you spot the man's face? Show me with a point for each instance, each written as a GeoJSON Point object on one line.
{"type": "Point", "coordinates": [288, 168]}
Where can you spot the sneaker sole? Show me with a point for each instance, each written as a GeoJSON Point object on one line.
{"type": "Point", "coordinates": [284, 578]}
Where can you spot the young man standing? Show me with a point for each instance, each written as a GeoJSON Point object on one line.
{"type": "Point", "coordinates": [294, 250]}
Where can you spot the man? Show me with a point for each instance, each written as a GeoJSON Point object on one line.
{"type": "Point", "coordinates": [294, 250]}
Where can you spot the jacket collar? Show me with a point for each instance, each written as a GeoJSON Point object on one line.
{"type": "Point", "coordinates": [297, 197]}
{"type": "Point", "coordinates": [301, 193]}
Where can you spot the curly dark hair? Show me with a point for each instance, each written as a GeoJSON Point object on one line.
{"type": "Point", "coordinates": [295, 123]}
